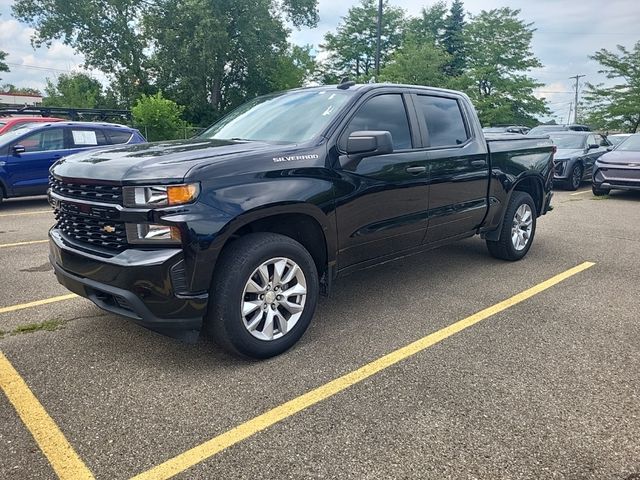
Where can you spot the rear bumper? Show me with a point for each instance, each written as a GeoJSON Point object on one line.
{"type": "Point", "coordinates": [619, 177]}
{"type": "Point", "coordinates": [138, 284]}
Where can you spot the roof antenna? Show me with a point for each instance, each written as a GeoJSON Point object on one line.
{"type": "Point", "coordinates": [346, 83]}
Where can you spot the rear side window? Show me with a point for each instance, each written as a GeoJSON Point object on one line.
{"type": "Point", "coordinates": [383, 112]}
{"type": "Point", "coordinates": [444, 120]}
{"type": "Point", "coordinates": [118, 136]}
{"type": "Point", "coordinates": [81, 138]}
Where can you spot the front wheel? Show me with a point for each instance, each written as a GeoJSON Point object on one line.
{"type": "Point", "coordinates": [264, 293]}
{"type": "Point", "coordinates": [575, 177]}
{"type": "Point", "coordinates": [518, 229]}
{"type": "Point", "coordinates": [599, 192]}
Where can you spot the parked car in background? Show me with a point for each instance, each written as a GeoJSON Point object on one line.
{"type": "Point", "coordinates": [27, 153]}
{"type": "Point", "coordinates": [619, 169]}
{"type": "Point", "coordinates": [507, 129]}
{"type": "Point", "coordinates": [617, 138]}
{"type": "Point", "coordinates": [8, 124]}
{"type": "Point", "coordinates": [543, 129]}
{"type": "Point", "coordinates": [576, 155]}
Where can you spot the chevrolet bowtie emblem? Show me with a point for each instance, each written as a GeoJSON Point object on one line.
{"type": "Point", "coordinates": [108, 229]}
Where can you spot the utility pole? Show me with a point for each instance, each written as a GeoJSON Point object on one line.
{"type": "Point", "coordinates": [575, 109]}
{"type": "Point", "coordinates": [378, 34]}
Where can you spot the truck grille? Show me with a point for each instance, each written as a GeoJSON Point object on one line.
{"type": "Point", "coordinates": [92, 231]}
{"type": "Point", "coordinates": [99, 193]}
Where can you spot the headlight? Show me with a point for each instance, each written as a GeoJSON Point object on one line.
{"type": "Point", "coordinates": [150, 233]}
{"type": "Point", "coordinates": [160, 196]}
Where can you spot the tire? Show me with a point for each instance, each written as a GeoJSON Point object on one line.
{"type": "Point", "coordinates": [599, 192]}
{"type": "Point", "coordinates": [505, 247]}
{"type": "Point", "coordinates": [241, 281]}
{"type": "Point", "coordinates": [575, 177]}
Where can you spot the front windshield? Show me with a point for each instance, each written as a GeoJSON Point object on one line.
{"type": "Point", "coordinates": [631, 144]}
{"type": "Point", "coordinates": [292, 117]}
{"type": "Point", "coordinates": [569, 141]}
{"type": "Point", "coordinates": [617, 139]}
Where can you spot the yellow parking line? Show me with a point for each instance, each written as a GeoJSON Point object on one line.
{"type": "Point", "coordinates": [19, 244]}
{"type": "Point", "coordinates": [63, 458]}
{"type": "Point", "coordinates": [38, 212]}
{"type": "Point", "coordinates": [191, 457]}
{"type": "Point", "coordinates": [37, 303]}
{"type": "Point", "coordinates": [579, 193]}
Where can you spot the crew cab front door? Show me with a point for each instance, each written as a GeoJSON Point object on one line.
{"type": "Point", "coordinates": [385, 196]}
{"type": "Point", "coordinates": [28, 171]}
{"type": "Point", "coordinates": [458, 167]}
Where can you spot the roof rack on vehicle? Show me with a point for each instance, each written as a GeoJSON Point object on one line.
{"type": "Point", "coordinates": [72, 113]}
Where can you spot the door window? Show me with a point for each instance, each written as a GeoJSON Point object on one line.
{"type": "Point", "coordinates": [44, 140]}
{"type": "Point", "coordinates": [383, 112]}
{"type": "Point", "coordinates": [444, 120]}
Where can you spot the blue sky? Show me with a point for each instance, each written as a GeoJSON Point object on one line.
{"type": "Point", "coordinates": [568, 32]}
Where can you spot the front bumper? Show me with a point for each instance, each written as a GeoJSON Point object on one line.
{"type": "Point", "coordinates": [140, 284]}
{"type": "Point", "coordinates": [616, 176]}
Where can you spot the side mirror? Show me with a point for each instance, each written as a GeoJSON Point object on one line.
{"type": "Point", "coordinates": [18, 149]}
{"type": "Point", "coordinates": [609, 148]}
{"type": "Point", "coordinates": [369, 143]}
{"type": "Point", "coordinates": [592, 146]}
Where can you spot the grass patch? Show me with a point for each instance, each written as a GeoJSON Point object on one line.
{"type": "Point", "coordinates": [48, 325]}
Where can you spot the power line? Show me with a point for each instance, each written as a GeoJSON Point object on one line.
{"type": "Point", "coordinates": [35, 67]}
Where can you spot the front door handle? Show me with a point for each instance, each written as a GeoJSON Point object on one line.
{"type": "Point", "coordinates": [416, 169]}
{"type": "Point", "coordinates": [478, 163]}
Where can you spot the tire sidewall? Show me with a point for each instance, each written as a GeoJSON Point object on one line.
{"type": "Point", "coordinates": [227, 309]}
{"type": "Point", "coordinates": [518, 199]}
{"type": "Point", "coordinates": [577, 167]}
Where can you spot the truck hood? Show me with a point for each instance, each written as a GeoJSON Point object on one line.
{"type": "Point", "coordinates": [158, 161]}
{"type": "Point", "coordinates": [566, 153]}
{"type": "Point", "coordinates": [621, 157]}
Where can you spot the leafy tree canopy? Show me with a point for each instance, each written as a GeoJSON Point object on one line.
{"type": "Point", "coordinates": [616, 107]}
{"type": "Point", "coordinates": [352, 49]}
{"type": "Point", "coordinates": [10, 88]}
{"type": "Point", "coordinates": [77, 90]}
{"type": "Point", "coordinates": [159, 118]}
{"type": "Point", "coordinates": [498, 57]}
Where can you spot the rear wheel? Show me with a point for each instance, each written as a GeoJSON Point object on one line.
{"type": "Point", "coordinates": [599, 192]}
{"type": "Point", "coordinates": [518, 229]}
{"type": "Point", "coordinates": [264, 294]}
{"type": "Point", "coordinates": [575, 177]}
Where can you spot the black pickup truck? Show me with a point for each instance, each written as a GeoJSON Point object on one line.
{"type": "Point", "coordinates": [239, 230]}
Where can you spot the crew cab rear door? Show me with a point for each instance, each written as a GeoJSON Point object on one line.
{"type": "Point", "coordinates": [458, 165]}
{"type": "Point", "coordinates": [384, 197]}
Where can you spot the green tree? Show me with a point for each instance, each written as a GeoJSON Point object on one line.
{"type": "Point", "coordinates": [77, 90]}
{"type": "Point", "coordinates": [498, 57]}
{"type": "Point", "coordinates": [352, 48]}
{"type": "Point", "coordinates": [453, 40]}
{"type": "Point", "coordinates": [10, 88]}
{"type": "Point", "coordinates": [616, 107]}
{"type": "Point", "coordinates": [159, 118]}
{"type": "Point", "coordinates": [431, 23]}
{"type": "Point", "coordinates": [417, 62]}
{"type": "Point", "coordinates": [3, 66]}
{"type": "Point", "coordinates": [106, 32]}
{"type": "Point", "coordinates": [211, 56]}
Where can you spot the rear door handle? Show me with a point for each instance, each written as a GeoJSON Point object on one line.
{"type": "Point", "coordinates": [416, 169]}
{"type": "Point", "coordinates": [478, 163]}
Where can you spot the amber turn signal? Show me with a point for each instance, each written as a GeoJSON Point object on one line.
{"type": "Point", "coordinates": [180, 194]}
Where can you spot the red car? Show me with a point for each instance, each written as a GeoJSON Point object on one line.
{"type": "Point", "coordinates": [11, 123]}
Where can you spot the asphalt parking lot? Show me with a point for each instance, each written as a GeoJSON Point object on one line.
{"type": "Point", "coordinates": [546, 386]}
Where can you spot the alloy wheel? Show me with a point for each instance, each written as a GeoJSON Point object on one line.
{"type": "Point", "coordinates": [521, 227]}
